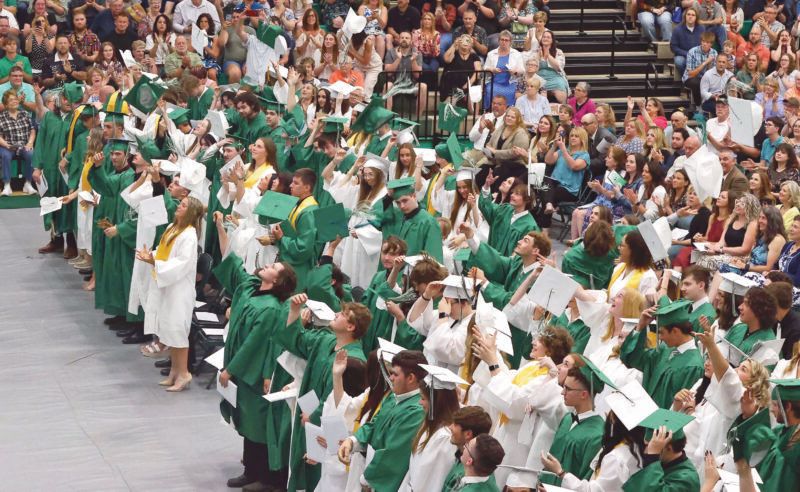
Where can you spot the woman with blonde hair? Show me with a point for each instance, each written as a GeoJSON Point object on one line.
{"type": "Point", "coordinates": [170, 290]}
{"type": "Point", "coordinates": [605, 117]}
{"type": "Point", "coordinates": [739, 236]}
{"type": "Point", "coordinates": [655, 146]}
{"type": "Point", "coordinates": [501, 145]}
{"type": "Point", "coordinates": [789, 202]}
{"type": "Point", "coordinates": [426, 40]}
{"type": "Point", "coordinates": [40, 43]}
{"type": "Point", "coordinates": [460, 206]}
{"type": "Point", "coordinates": [631, 139]}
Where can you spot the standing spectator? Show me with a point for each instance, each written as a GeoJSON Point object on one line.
{"type": "Point", "coordinates": [754, 46]}
{"type": "Point", "coordinates": [161, 41]}
{"type": "Point", "coordinates": [10, 45]}
{"type": "Point", "coordinates": [328, 57]}
{"type": "Point", "coordinates": [480, 40]}
{"type": "Point", "coordinates": [84, 43]}
{"type": "Point", "coordinates": [39, 44]}
{"type": "Point", "coordinates": [62, 68]}
{"type": "Point", "coordinates": [11, 19]}
{"type": "Point", "coordinates": [427, 42]}
{"type": "Point", "coordinates": [551, 67]}
{"type": "Point", "coordinates": [517, 17]}
{"type": "Point", "coordinates": [122, 36]}
{"type": "Point", "coordinates": [711, 15]}
{"type": "Point", "coordinates": [181, 59]}
{"type": "Point", "coordinates": [498, 61]}
{"type": "Point", "coordinates": [698, 61]}
{"type": "Point", "coordinates": [233, 47]}
{"type": "Point", "coordinates": [333, 14]}
{"type": "Point", "coordinates": [90, 8]}
{"type": "Point", "coordinates": [16, 140]}
{"type": "Point", "coordinates": [581, 103]}
{"type": "Point", "coordinates": [685, 37]}
{"type": "Point", "coordinates": [713, 83]}
{"type": "Point", "coordinates": [309, 41]}
{"type": "Point", "coordinates": [655, 11]}
{"type": "Point", "coordinates": [366, 58]}
{"type": "Point", "coordinates": [210, 52]}
{"type": "Point", "coordinates": [103, 23]}
{"type": "Point", "coordinates": [42, 8]}
{"type": "Point", "coordinates": [769, 24]}
{"type": "Point", "coordinates": [407, 63]}
{"type": "Point", "coordinates": [487, 12]}
{"type": "Point", "coordinates": [461, 65]}
{"type": "Point", "coordinates": [402, 17]}
{"type": "Point", "coordinates": [377, 18]}
{"type": "Point", "coordinates": [187, 12]}
{"type": "Point", "coordinates": [444, 19]}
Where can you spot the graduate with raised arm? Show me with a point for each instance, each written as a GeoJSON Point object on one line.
{"type": "Point", "coordinates": [757, 318]}
{"type": "Point", "coordinates": [231, 149]}
{"type": "Point", "coordinates": [468, 422]}
{"type": "Point", "coordinates": [481, 457]}
{"type": "Point", "coordinates": [318, 348]}
{"type": "Point", "coordinates": [247, 122]}
{"type": "Point", "coordinates": [508, 222]}
{"type": "Point", "coordinates": [418, 228]}
{"type": "Point", "coordinates": [671, 367]}
{"type": "Point", "coordinates": [382, 286]}
{"type": "Point", "coordinates": [695, 283]}
{"type": "Point", "coordinates": [257, 314]}
{"type": "Point", "coordinates": [326, 283]}
{"type": "Point", "coordinates": [392, 430]}
{"type": "Point", "coordinates": [505, 274]}
{"type": "Point", "coordinates": [665, 465]}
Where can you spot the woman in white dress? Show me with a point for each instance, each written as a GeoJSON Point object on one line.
{"type": "Point", "coordinates": [171, 290]}
{"type": "Point", "coordinates": [432, 449]}
{"type": "Point", "coordinates": [362, 190]}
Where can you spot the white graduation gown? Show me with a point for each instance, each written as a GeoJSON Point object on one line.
{"type": "Point", "coordinates": [446, 343]}
{"type": "Point", "coordinates": [334, 474]}
{"type": "Point", "coordinates": [145, 235]}
{"type": "Point", "coordinates": [242, 240]}
{"type": "Point", "coordinates": [616, 469]}
{"type": "Point", "coordinates": [170, 292]}
{"type": "Point", "coordinates": [443, 203]}
{"type": "Point", "coordinates": [429, 466]}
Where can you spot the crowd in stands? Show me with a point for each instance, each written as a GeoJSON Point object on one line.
{"type": "Point", "coordinates": [248, 155]}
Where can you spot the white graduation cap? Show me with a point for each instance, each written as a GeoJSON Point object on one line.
{"type": "Point", "coordinates": [321, 313]}
{"type": "Point", "coordinates": [458, 287]}
{"type": "Point", "coordinates": [631, 404]}
{"type": "Point", "coordinates": [412, 260]}
{"type": "Point", "coordinates": [228, 88]}
{"type": "Point", "coordinates": [282, 71]}
{"type": "Point", "coordinates": [218, 121]}
{"type": "Point", "coordinates": [466, 173]}
{"type": "Point", "coordinates": [442, 378]}
{"type": "Point", "coordinates": [377, 162]}
{"type": "Point", "coordinates": [128, 59]}
{"type": "Point", "coordinates": [767, 352]}
{"type": "Point", "coordinates": [353, 24]}
{"type": "Point", "coordinates": [340, 87]}
{"type": "Point", "coordinates": [657, 236]}
{"type": "Point", "coordinates": [553, 290]}
{"type": "Point", "coordinates": [153, 212]}
{"type": "Point", "coordinates": [192, 173]}
{"type": "Point", "coordinates": [360, 107]}
{"type": "Point", "coordinates": [87, 196]}
{"type": "Point", "coordinates": [490, 320]}
{"type": "Point", "coordinates": [735, 284]}
{"type": "Point", "coordinates": [406, 135]}
{"type": "Point", "coordinates": [675, 276]}
{"type": "Point", "coordinates": [199, 39]}
{"type": "Point", "coordinates": [428, 156]}
{"type": "Point", "coordinates": [387, 350]}
{"type": "Point", "coordinates": [705, 173]}
{"type": "Point", "coordinates": [49, 204]}
{"type": "Point", "coordinates": [536, 172]}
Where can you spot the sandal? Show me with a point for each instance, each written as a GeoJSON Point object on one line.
{"type": "Point", "coordinates": [154, 349]}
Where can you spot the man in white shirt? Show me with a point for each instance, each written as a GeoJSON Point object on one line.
{"type": "Point", "coordinates": [485, 125]}
{"type": "Point", "coordinates": [13, 25]}
{"type": "Point", "coordinates": [187, 12]}
{"type": "Point", "coordinates": [717, 128]}
{"type": "Point", "coordinates": [713, 83]}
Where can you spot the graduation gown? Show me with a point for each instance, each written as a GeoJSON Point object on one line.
{"type": "Point", "coordinates": [302, 156]}
{"type": "Point", "coordinates": [198, 106]}
{"type": "Point", "coordinates": [780, 468]}
{"type": "Point", "coordinates": [503, 233]}
{"type": "Point", "coordinates": [664, 374]}
{"type": "Point", "coordinates": [429, 466]}
{"type": "Point", "coordinates": [677, 476]}
{"type": "Point", "coordinates": [592, 272]}
{"type": "Point", "coordinates": [505, 274]}
{"type": "Point", "coordinates": [487, 485]}
{"type": "Point", "coordinates": [421, 232]}
{"type": "Point", "coordinates": [454, 475]}
{"type": "Point", "coordinates": [51, 139]}
{"type": "Point", "coordinates": [577, 329]}
{"type": "Point", "coordinates": [576, 448]}
{"type": "Point", "coordinates": [247, 130]}
{"type": "Point", "coordinates": [319, 286]}
{"type": "Point", "coordinates": [617, 467]}
{"type": "Point", "coordinates": [298, 247]}
{"type": "Point", "coordinates": [390, 435]}
{"type": "Point", "coordinates": [211, 242]}
{"type": "Point", "coordinates": [381, 324]}
{"type": "Point", "coordinates": [250, 357]}
{"type": "Point", "coordinates": [705, 309]}
{"type": "Point", "coordinates": [317, 347]}
{"type": "Point", "coordinates": [739, 336]}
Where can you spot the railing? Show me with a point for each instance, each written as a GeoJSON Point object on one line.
{"type": "Point", "coordinates": [651, 86]}
{"type": "Point", "coordinates": [581, 32]}
{"type": "Point", "coordinates": [424, 110]}
{"type": "Point", "coordinates": [617, 20]}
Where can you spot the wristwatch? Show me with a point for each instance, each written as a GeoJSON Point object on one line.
{"type": "Point", "coordinates": [493, 367]}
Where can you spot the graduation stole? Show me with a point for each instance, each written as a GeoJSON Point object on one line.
{"type": "Point", "coordinates": [257, 174]}
{"type": "Point", "coordinates": [359, 139]}
{"type": "Point", "coordinates": [304, 204]}
{"type": "Point", "coordinates": [633, 281]}
{"type": "Point", "coordinates": [429, 193]}
{"type": "Point", "coordinates": [167, 241]}
{"type": "Point", "coordinates": [523, 377]}
{"type": "Point", "coordinates": [87, 165]}
{"type": "Point", "coordinates": [71, 136]}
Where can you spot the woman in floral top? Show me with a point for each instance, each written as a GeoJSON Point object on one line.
{"type": "Point", "coordinates": [517, 17]}
{"type": "Point", "coordinates": [427, 43]}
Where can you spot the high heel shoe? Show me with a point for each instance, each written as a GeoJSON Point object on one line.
{"type": "Point", "coordinates": [170, 381]}
{"type": "Point", "coordinates": [180, 385]}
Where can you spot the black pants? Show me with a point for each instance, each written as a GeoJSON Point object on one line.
{"type": "Point", "coordinates": [555, 195]}
{"type": "Point", "coordinates": [693, 84]}
{"type": "Point", "coordinates": [255, 458]}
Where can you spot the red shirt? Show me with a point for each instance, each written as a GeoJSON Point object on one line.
{"type": "Point", "coordinates": [745, 49]}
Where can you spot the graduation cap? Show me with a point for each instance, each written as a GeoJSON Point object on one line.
{"type": "Point", "coordinates": [631, 404]}
{"type": "Point", "coordinates": [751, 438]}
{"type": "Point", "coordinates": [467, 174]}
{"type": "Point", "coordinates": [334, 124]}
{"type": "Point", "coordinates": [271, 105]}
{"type": "Point", "coordinates": [144, 95]}
{"type": "Point", "coordinates": [377, 162]}
{"type": "Point", "coordinates": [353, 24]}
{"type": "Point", "coordinates": [272, 36]}
{"type": "Point", "coordinates": [73, 92]}
{"type": "Point", "coordinates": [229, 88]}
{"type": "Point", "coordinates": [735, 285]}
{"type": "Point", "coordinates": [340, 87]}
{"type": "Point", "coordinates": [374, 116]}
{"type": "Point", "coordinates": [657, 237]}
{"type": "Point", "coordinates": [89, 111]}
{"type": "Point", "coordinates": [147, 148]}
{"type": "Point", "coordinates": [785, 390]}
{"type": "Point", "coordinates": [673, 421]}
{"type": "Point", "coordinates": [276, 206]}
{"type": "Point", "coordinates": [553, 290]}
{"type": "Point", "coordinates": [236, 142]}
{"type": "Point", "coordinates": [118, 145]}
{"type": "Point", "coordinates": [674, 313]}
{"type": "Point", "coordinates": [401, 187]}
{"type": "Point", "coordinates": [439, 378]}
{"type": "Point", "coordinates": [330, 222]}
{"type": "Point", "coordinates": [116, 105]}
{"type": "Point", "coordinates": [450, 117]}
{"type": "Point", "coordinates": [450, 151]}
{"type": "Point", "coordinates": [291, 129]}
{"type": "Point", "coordinates": [179, 116]}
{"type": "Point", "coordinates": [321, 313]}
{"type": "Point", "coordinates": [405, 130]}
{"type": "Point", "coordinates": [489, 319]}
{"type": "Point", "coordinates": [249, 84]}
{"type": "Point", "coordinates": [596, 378]}
{"type": "Point", "coordinates": [458, 287]}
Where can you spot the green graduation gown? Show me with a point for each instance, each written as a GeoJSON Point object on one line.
{"type": "Point", "coordinates": [780, 468]}
{"type": "Point", "coordinates": [505, 275]}
{"type": "Point", "coordinates": [453, 476]}
{"type": "Point", "coordinates": [488, 485]}
{"type": "Point", "coordinates": [247, 130]}
{"type": "Point", "coordinates": [250, 358]}
{"type": "Point", "coordinates": [421, 232]}
{"type": "Point", "coordinates": [278, 136]}
{"type": "Point", "coordinates": [317, 346]}
{"type": "Point", "coordinates": [381, 324]}
{"type": "Point", "coordinates": [298, 247]}
{"type": "Point", "coordinates": [677, 476]}
{"type": "Point", "coordinates": [198, 106]}
{"type": "Point", "coordinates": [591, 272]}
{"type": "Point", "coordinates": [576, 448]}
{"type": "Point", "coordinates": [577, 329]}
{"type": "Point", "coordinates": [705, 309]}
{"type": "Point", "coordinates": [503, 234]}
{"type": "Point", "coordinates": [390, 434]}
{"type": "Point", "coordinates": [302, 156]}
{"type": "Point", "coordinates": [664, 373]}
{"type": "Point", "coordinates": [213, 165]}
{"type": "Point", "coordinates": [739, 336]}
{"type": "Point", "coordinates": [51, 139]}
{"type": "Point", "coordinates": [319, 287]}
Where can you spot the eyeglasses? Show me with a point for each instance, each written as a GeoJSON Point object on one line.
{"type": "Point", "coordinates": [567, 388]}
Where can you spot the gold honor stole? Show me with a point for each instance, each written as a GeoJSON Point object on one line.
{"type": "Point", "coordinates": [307, 202]}
{"type": "Point", "coordinates": [429, 193]}
{"type": "Point", "coordinates": [523, 377]}
{"type": "Point", "coordinates": [257, 174]}
{"type": "Point", "coordinates": [633, 281]}
{"type": "Point", "coordinates": [71, 135]}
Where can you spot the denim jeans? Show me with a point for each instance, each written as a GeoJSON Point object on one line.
{"type": "Point", "coordinates": [6, 157]}
{"type": "Point", "coordinates": [445, 41]}
{"type": "Point", "coordinates": [430, 63]}
{"type": "Point", "coordinates": [680, 65]}
{"type": "Point", "coordinates": [648, 22]}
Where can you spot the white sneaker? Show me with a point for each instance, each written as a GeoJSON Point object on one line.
{"type": "Point", "coordinates": [6, 190]}
{"type": "Point", "coordinates": [28, 189]}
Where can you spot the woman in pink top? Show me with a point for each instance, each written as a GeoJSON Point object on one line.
{"type": "Point", "coordinates": [652, 112]}
{"type": "Point", "coordinates": [580, 102]}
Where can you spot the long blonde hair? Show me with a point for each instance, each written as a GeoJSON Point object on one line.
{"type": "Point", "coordinates": [633, 303]}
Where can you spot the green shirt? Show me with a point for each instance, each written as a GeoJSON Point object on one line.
{"type": "Point", "coordinates": [6, 64]}
{"type": "Point", "coordinates": [504, 234]}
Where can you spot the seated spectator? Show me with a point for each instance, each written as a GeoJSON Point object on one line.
{"type": "Point", "coordinates": [770, 99]}
{"type": "Point", "coordinates": [24, 90]}
{"type": "Point", "coordinates": [720, 212]}
{"type": "Point", "coordinates": [793, 135]}
{"type": "Point", "coordinates": [532, 105]}
{"type": "Point", "coordinates": [551, 67]}
{"type": "Point", "coordinates": [531, 70]}
{"type": "Point", "coordinates": [512, 133]}
{"type": "Point", "coordinates": [771, 27]}
{"type": "Point", "coordinates": [652, 12]}
{"type": "Point", "coordinates": [714, 83]}
{"type": "Point", "coordinates": [565, 114]}
{"type": "Point", "coordinates": [693, 217]}
{"type": "Point", "coordinates": [122, 35]}
{"type": "Point", "coordinates": [580, 102]}
{"type": "Point", "coordinates": [609, 195]}
{"type": "Point", "coordinates": [9, 25]}
{"type": "Point", "coordinates": [784, 47]}
{"type": "Point", "coordinates": [11, 58]}
{"type": "Point", "coordinates": [753, 45]}
{"type": "Point", "coordinates": [181, 59]}
{"type": "Point", "coordinates": [543, 139]}
{"type": "Point", "coordinates": [678, 120]}
{"type": "Point", "coordinates": [427, 42]}
{"type": "Point", "coordinates": [711, 16]}
{"type": "Point", "coordinates": [103, 23]}
{"type": "Point", "coordinates": [365, 60]}
{"type": "Point", "coordinates": [784, 167]}
{"type": "Point", "coordinates": [17, 137]}
{"type": "Point", "coordinates": [516, 16]}
{"type": "Point", "coordinates": [39, 44]}
{"type": "Point", "coordinates": [596, 136]}
{"type": "Point", "coordinates": [42, 8]}
{"type": "Point", "coordinates": [606, 118]}
{"type": "Point", "coordinates": [717, 128]}
{"type": "Point", "coordinates": [309, 41]}
{"type": "Point", "coordinates": [377, 18]}
{"type": "Point", "coordinates": [698, 61]}
{"type": "Point", "coordinates": [751, 76]}
{"type": "Point", "coordinates": [144, 24]}
{"type": "Point", "coordinates": [685, 37]}
{"type": "Point", "coordinates": [187, 12]}
{"type": "Point", "coordinates": [487, 12]}
{"type": "Point", "coordinates": [347, 74]}
{"type": "Point", "coordinates": [334, 13]}
{"type": "Point", "coordinates": [444, 15]}
{"type": "Point", "coordinates": [328, 58]}
{"type": "Point", "coordinates": [487, 122]}
{"type": "Point", "coordinates": [631, 138]}
{"type": "Point", "coordinates": [651, 112]}
{"type": "Point", "coordinates": [499, 61]}
{"type": "Point", "coordinates": [648, 202]}
{"type": "Point", "coordinates": [286, 18]}
{"type": "Point", "coordinates": [571, 161]}
{"type": "Point", "coordinates": [760, 186]}
{"type": "Point", "coordinates": [789, 203]}
{"type": "Point", "coordinates": [84, 43]}
{"type": "Point", "coordinates": [62, 68]}
{"type": "Point", "coordinates": [655, 147]}
{"type": "Point", "coordinates": [734, 16]}
{"type": "Point", "coordinates": [476, 33]}
{"type": "Point", "coordinates": [403, 17]}
{"type": "Point", "coordinates": [770, 239]}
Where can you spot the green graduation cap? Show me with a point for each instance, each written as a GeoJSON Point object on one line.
{"type": "Point", "coordinates": [179, 116]}
{"type": "Point", "coordinates": [271, 105]}
{"type": "Point", "coordinates": [751, 438]}
{"type": "Point", "coordinates": [443, 151]}
{"type": "Point", "coordinates": [334, 124]}
{"type": "Point", "coordinates": [144, 95]}
{"type": "Point", "coordinates": [401, 187]}
{"type": "Point", "coordinates": [450, 117]}
{"type": "Point", "coordinates": [673, 421]}
{"type": "Point", "coordinates": [248, 84]}
{"type": "Point", "coordinates": [275, 206]}
{"type": "Point", "coordinates": [674, 313]}
{"type": "Point", "coordinates": [147, 149]}
{"type": "Point", "coordinates": [236, 142]}
{"type": "Point", "coordinates": [620, 231]}
{"type": "Point", "coordinates": [374, 116]}
{"type": "Point", "coordinates": [114, 118]}
{"type": "Point", "coordinates": [331, 222]}
{"type": "Point", "coordinates": [455, 151]}
{"type": "Point", "coordinates": [73, 92]}
{"type": "Point", "coordinates": [786, 389]}
{"type": "Point", "coordinates": [89, 111]}
{"type": "Point", "coordinates": [118, 145]}
{"type": "Point", "coordinates": [400, 124]}
{"type": "Point", "coordinates": [116, 104]}
{"type": "Point", "coordinates": [597, 379]}
{"type": "Point", "coordinates": [291, 129]}
{"type": "Point", "coordinates": [267, 33]}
